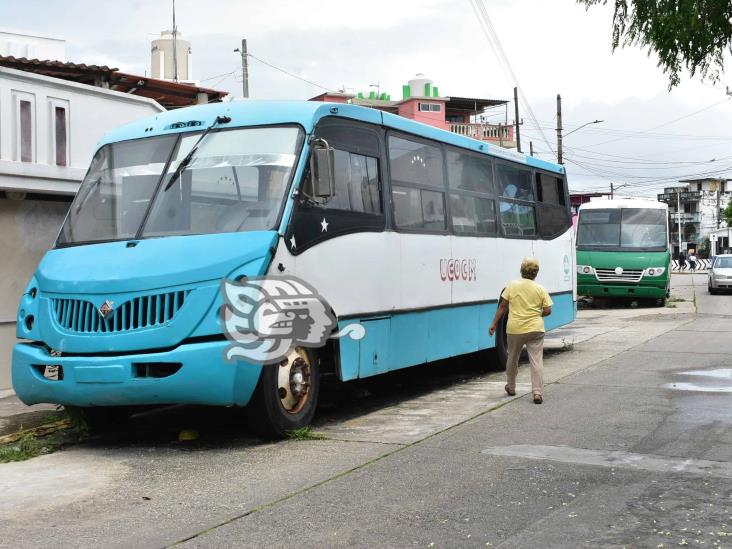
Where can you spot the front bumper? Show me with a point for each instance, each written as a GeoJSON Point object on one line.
{"type": "Point", "coordinates": [203, 378]}
{"type": "Point", "coordinates": [720, 283]}
{"type": "Point", "coordinates": [621, 290]}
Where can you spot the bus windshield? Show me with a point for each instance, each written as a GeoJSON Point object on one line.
{"type": "Point", "coordinates": [235, 181]}
{"type": "Point", "coordinates": [626, 228]}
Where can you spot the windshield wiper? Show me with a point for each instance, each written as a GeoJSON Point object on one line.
{"type": "Point", "coordinates": [187, 159]}
{"type": "Point", "coordinates": [87, 193]}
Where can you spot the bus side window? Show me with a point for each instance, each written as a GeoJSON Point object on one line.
{"type": "Point", "coordinates": [357, 187]}
{"type": "Point", "coordinates": [517, 207]}
{"type": "Point", "coordinates": [418, 184]}
{"type": "Point", "coordinates": [554, 218]}
{"type": "Point", "coordinates": [472, 208]}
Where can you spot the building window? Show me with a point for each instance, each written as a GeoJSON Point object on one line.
{"type": "Point", "coordinates": [430, 107]}
{"type": "Point", "coordinates": [25, 145]}
{"type": "Point", "coordinates": [59, 132]}
{"type": "Point", "coordinates": [26, 131]}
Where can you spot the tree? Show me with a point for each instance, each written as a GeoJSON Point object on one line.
{"type": "Point", "coordinates": [685, 34]}
{"type": "Point", "coordinates": [727, 213]}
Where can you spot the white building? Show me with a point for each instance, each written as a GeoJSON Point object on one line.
{"type": "Point", "coordinates": [49, 129]}
{"type": "Point", "coordinates": [698, 206]}
{"type": "Point", "coordinates": [31, 46]}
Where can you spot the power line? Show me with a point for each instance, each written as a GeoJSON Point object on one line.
{"type": "Point", "coordinates": [495, 43]}
{"type": "Point", "coordinates": [218, 75]}
{"type": "Point", "coordinates": [662, 125]}
{"type": "Point", "coordinates": [290, 74]}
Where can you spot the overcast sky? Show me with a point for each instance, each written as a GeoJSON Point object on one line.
{"type": "Point", "coordinates": [649, 137]}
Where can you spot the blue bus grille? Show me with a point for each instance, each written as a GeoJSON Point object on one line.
{"type": "Point", "coordinates": [81, 316]}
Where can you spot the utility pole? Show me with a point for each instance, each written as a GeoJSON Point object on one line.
{"type": "Point", "coordinates": [175, 48]}
{"type": "Point", "coordinates": [518, 125]}
{"type": "Point", "coordinates": [244, 68]}
{"type": "Point", "coordinates": [678, 215]}
{"type": "Point", "coordinates": [612, 191]}
{"type": "Point", "coordinates": [559, 129]}
{"type": "Point", "coordinates": [500, 134]}
{"type": "Point", "coordinates": [531, 148]}
{"type": "Point", "coordinates": [718, 204]}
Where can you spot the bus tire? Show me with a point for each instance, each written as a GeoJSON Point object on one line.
{"type": "Point", "coordinates": [286, 395]}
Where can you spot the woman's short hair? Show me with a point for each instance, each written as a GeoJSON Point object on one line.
{"type": "Point", "coordinates": [529, 268]}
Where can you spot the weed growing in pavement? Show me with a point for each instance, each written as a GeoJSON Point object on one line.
{"type": "Point", "coordinates": [28, 446]}
{"type": "Point", "coordinates": [671, 305]}
{"type": "Point", "coordinates": [78, 420]}
{"type": "Point", "coordinates": [567, 345]}
{"type": "Point", "coordinates": [675, 300]}
{"type": "Point", "coordinates": [305, 433]}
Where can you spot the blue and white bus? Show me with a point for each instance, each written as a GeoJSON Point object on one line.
{"type": "Point", "coordinates": [408, 231]}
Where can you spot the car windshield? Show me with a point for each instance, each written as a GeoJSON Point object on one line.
{"type": "Point", "coordinates": [626, 228]}
{"type": "Point", "coordinates": [723, 263]}
{"type": "Point", "coordinates": [235, 181]}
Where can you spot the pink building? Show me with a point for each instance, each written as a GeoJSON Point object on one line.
{"type": "Point", "coordinates": [422, 102]}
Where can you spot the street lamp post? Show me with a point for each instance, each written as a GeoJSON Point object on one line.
{"type": "Point", "coordinates": [583, 125]}
{"type": "Point", "coordinates": [560, 136]}
{"type": "Point", "coordinates": [614, 188]}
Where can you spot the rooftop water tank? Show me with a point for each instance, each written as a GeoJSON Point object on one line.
{"type": "Point", "coordinates": [420, 86]}
{"type": "Point", "coordinates": [164, 51]}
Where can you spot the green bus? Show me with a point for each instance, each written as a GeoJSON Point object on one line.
{"type": "Point", "coordinates": [623, 250]}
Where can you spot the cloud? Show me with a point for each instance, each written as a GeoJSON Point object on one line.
{"type": "Point", "coordinates": [553, 47]}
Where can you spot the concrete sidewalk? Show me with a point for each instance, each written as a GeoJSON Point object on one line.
{"type": "Point", "coordinates": [16, 416]}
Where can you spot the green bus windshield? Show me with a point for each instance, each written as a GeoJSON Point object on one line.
{"type": "Point", "coordinates": [642, 229]}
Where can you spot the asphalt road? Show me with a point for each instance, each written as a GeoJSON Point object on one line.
{"type": "Point", "coordinates": [632, 448]}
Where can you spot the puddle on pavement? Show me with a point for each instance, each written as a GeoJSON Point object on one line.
{"type": "Point", "coordinates": [719, 373]}
{"type": "Point", "coordinates": [697, 387]}
{"type": "Point", "coordinates": [709, 385]}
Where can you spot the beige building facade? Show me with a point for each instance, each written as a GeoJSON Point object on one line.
{"type": "Point", "coordinates": [49, 129]}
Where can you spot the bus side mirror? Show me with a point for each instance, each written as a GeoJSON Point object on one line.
{"type": "Point", "coordinates": [322, 162]}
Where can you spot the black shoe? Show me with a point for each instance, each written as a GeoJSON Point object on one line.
{"type": "Point", "coordinates": [538, 399]}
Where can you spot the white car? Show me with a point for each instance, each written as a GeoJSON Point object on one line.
{"type": "Point", "coordinates": [720, 274]}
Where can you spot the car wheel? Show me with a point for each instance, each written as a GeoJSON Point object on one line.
{"type": "Point", "coordinates": [286, 395]}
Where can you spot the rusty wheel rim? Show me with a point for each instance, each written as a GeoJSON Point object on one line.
{"type": "Point", "coordinates": [294, 376]}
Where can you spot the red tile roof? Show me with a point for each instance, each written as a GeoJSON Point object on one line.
{"type": "Point", "coordinates": [168, 94]}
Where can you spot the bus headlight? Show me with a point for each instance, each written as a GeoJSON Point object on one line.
{"type": "Point", "coordinates": [655, 271]}
{"type": "Point", "coordinates": [585, 270]}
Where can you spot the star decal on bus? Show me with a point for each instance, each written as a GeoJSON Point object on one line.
{"type": "Point", "coordinates": [324, 226]}
{"type": "Point", "coordinates": [293, 244]}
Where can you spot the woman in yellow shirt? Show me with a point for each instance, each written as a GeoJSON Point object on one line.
{"type": "Point", "coordinates": [527, 303]}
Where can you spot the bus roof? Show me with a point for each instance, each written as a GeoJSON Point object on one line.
{"type": "Point", "coordinates": [306, 114]}
{"type": "Point", "coordinates": [623, 203]}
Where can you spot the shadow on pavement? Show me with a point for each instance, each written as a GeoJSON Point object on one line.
{"type": "Point", "coordinates": [215, 428]}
